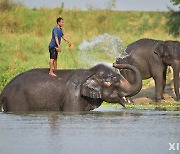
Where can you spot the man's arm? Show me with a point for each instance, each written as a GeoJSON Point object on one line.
{"type": "Point", "coordinates": [56, 39]}
{"type": "Point", "coordinates": [57, 42]}
{"type": "Point", "coordinates": [65, 39]}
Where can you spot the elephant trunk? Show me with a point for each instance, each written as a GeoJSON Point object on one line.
{"type": "Point", "coordinates": [134, 88]}
{"type": "Point", "coordinates": [176, 71]}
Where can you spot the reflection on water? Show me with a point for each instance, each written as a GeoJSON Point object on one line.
{"type": "Point", "coordinates": [106, 130]}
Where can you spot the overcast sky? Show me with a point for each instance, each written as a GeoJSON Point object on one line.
{"type": "Point", "coordinates": [142, 5]}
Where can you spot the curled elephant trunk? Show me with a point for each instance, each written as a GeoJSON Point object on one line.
{"type": "Point", "coordinates": [134, 88]}
{"type": "Point", "coordinates": [176, 71]}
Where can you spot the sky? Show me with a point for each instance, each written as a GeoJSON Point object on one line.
{"type": "Point", "coordinates": [123, 5]}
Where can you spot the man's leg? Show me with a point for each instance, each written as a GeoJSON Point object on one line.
{"type": "Point", "coordinates": [53, 60]}
{"type": "Point", "coordinates": [51, 64]}
{"type": "Point", "coordinates": [55, 64]}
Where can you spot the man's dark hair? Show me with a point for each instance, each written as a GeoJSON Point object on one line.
{"type": "Point", "coordinates": [59, 19]}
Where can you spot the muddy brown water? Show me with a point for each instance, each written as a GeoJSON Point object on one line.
{"type": "Point", "coordinates": [103, 131]}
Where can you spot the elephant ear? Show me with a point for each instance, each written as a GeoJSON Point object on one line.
{"type": "Point", "coordinates": [159, 50]}
{"type": "Point", "coordinates": [91, 88]}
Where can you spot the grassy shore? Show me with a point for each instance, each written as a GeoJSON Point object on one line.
{"type": "Point", "coordinates": [25, 34]}
{"type": "Point", "coordinates": [160, 107]}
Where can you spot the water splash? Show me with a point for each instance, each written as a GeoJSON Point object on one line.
{"type": "Point", "coordinates": [102, 49]}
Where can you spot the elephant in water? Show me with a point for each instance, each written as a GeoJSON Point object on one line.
{"type": "Point", "coordinates": [71, 90]}
{"type": "Point", "coordinates": [151, 58]}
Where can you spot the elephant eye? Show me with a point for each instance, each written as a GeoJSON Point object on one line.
{"type": "Point", "coordinates": [115, 79]}
{"type": "Point", "coordinates": [107, 80]}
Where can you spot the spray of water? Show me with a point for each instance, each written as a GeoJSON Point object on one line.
{"type": "Point", "coordinates": [102, 49]}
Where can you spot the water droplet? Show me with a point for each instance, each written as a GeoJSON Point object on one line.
{"type": "Point", "coordinates": [102, 49]}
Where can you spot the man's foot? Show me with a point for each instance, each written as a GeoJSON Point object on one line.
{"type": "Point", "coordinates": [52, 74]}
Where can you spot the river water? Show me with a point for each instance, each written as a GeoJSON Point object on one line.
{"type": "Point", "coordinates": [103, 131]}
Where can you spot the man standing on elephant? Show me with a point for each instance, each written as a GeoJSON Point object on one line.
{"type": "Point", "coordinates": [54, 45]}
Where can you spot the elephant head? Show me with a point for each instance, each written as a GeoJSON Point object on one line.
{"type": "Point", "coordinates": [169, 52]}
{"type": "Point", "coordinates": [104, 83]}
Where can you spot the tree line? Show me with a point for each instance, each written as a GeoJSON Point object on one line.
{"type": "Point", "coordinates": [174, 19]}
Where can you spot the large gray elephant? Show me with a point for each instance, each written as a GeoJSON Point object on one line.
{"type": "Point", "coordinates": [152, 57]}
{"type": "Point", "coordinates": [71, 90]}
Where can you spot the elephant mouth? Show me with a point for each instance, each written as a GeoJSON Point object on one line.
{"type": "Point", "coordinates": [120, 101]}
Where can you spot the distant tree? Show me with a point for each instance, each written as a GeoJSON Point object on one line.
{"type": "Point", "coordinates": [61, 8]}
{"type": "Point", "coordinates": [174, 19]}
{"type": "Point", "coordinates": [175, 2]}
{"type": "Point", "coordinates": [7, 5]}
{"type": "Point", "coordinates": [111, 4]}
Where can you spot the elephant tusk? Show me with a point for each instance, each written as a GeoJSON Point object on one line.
{"type": "Point", "coordinates": [120, 99]}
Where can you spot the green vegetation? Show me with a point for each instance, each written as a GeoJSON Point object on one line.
{"type": "Point", "coordinates": [7, 5]}
{"type": "Point", "coordinates": [174, 19]}
{"type": "Point", "coordinates": [160, 107]}
{"type": "Point", "coordinates": [25, 34]}
{"type": "Point", "coordinates": [168, 106]}
{"type": "Point", "coordinates": [175, 2]}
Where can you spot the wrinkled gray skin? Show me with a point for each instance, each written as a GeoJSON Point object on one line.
{"type": "Point", "coordinates": [71, 90]}
{"type": "Point", "coordinates": [152, 57]}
